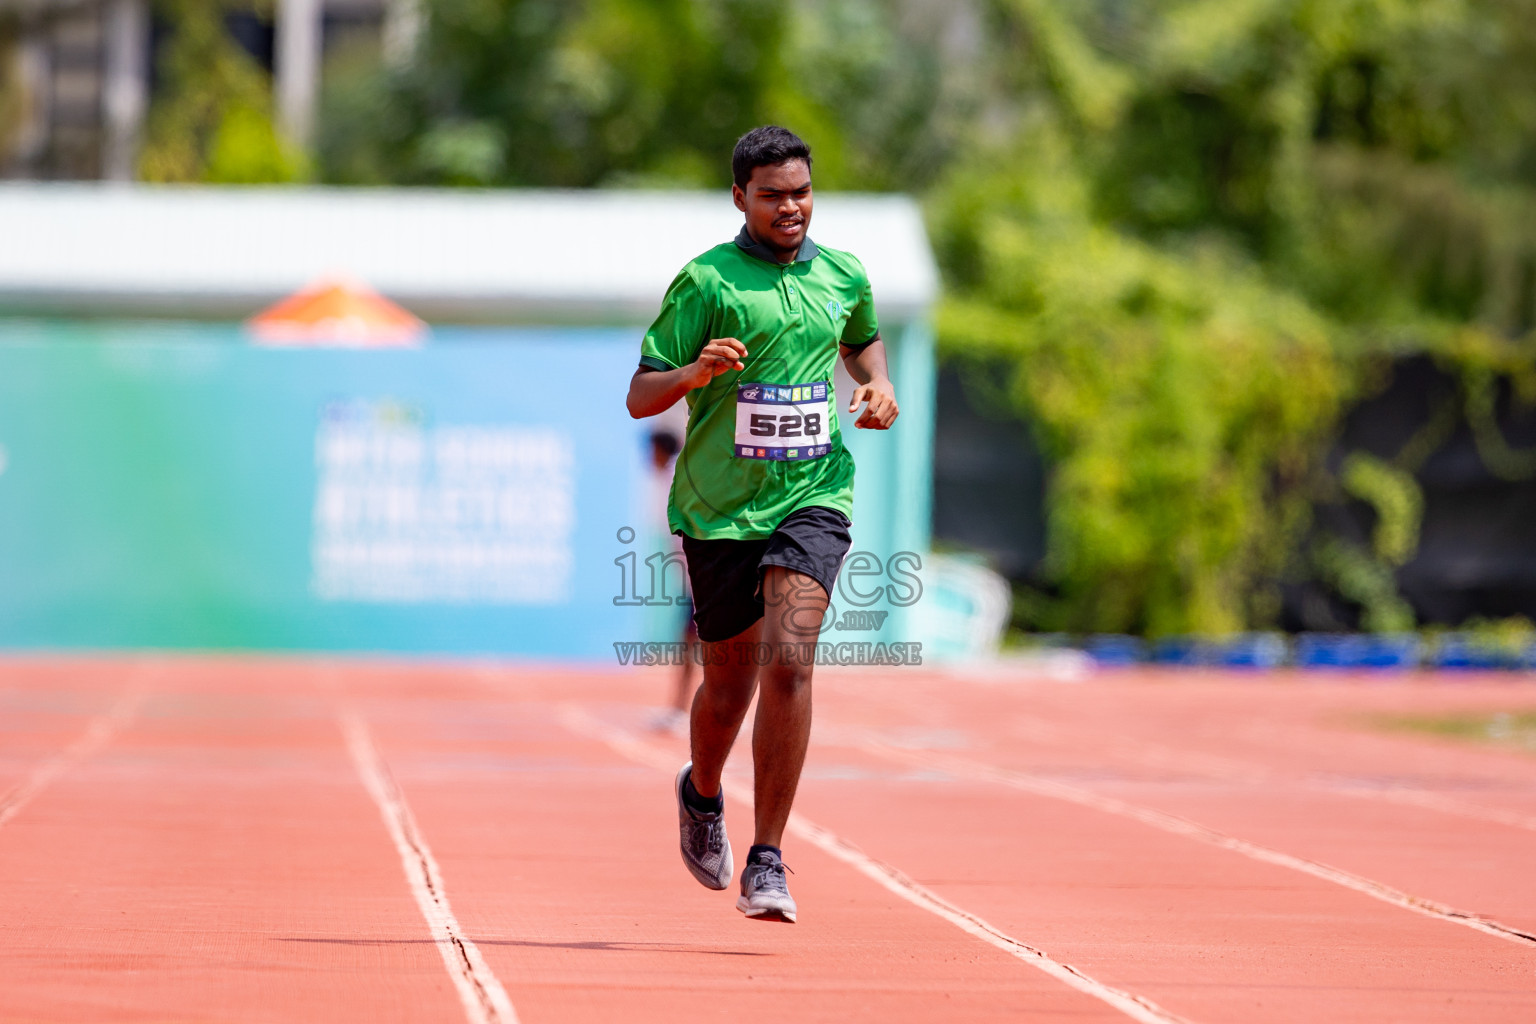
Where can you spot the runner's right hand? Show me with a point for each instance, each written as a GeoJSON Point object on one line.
{"type": "Point", "coordinates": [721, 355]}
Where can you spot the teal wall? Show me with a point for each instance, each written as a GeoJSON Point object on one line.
{"type": "Point", "coordinates": [169, 486]}
{"type": "Point", "coordinates": [893, 490]}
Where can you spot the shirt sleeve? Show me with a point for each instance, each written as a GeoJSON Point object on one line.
{"type": "Point", "coordinates": [678, 333]}
{"type": "Point", "coordinates": [862, 326]}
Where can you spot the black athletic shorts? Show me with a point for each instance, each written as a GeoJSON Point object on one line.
{"type": "Point", "coordinates": [727, 575]}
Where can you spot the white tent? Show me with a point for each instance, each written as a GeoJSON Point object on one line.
{"type": "Point", "coordinates": [459, 255]}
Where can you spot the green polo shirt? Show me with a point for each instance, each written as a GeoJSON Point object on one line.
{"type": "Point", "coordinates": [791, 317]}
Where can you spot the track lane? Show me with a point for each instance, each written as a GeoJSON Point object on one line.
{"type": "Point", "coordinates": [218, 861]}
{"type": "Point", "coordinates": [259, 881]}
{"type": "Point", "coordinates": [889, 877]}
{"type": "Point", "coordinates": [1241, 725]}
{"type": "Point", "coordinates": [1205, 934]}
{"type": "Point", "coordinates": [480, 991]}
{"type": "Point", "coordinates": [44, 711]}
{"type": "Point", "coordinates": [96, 733]}
{"type": "Point", "coordinates": [1302, 806]}
{"type": "Point", "coordinates": [563, 860]}
{"type": "Point", "coordinates": [979, 772]}
{"type": "Point", "coordinates": [1288, 946]}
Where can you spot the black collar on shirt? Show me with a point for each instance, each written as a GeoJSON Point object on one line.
{"type": "Point", "coordinates": [752, 247]}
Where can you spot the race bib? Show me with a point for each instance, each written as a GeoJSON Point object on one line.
{"type": "Point", "coordinates": [783, 421]}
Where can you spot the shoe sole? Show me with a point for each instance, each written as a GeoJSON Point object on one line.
{"type": "Point", "coordinates": [727, 863]}
{"type": "Point", "coordinates": [765, 913]}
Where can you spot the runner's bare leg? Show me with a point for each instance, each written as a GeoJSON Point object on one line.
{"type": "Point", "coordinates": [720, 705]}
{"type": "Point", "coordinates": [685, 672]}
{"type": "Point", "coordinates": [794, 606]}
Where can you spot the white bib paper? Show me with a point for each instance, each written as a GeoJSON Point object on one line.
{"type": "Point", "coordinates": [783, 421]}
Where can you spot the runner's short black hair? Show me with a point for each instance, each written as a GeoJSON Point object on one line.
{"type": "Point", "coordinates": [765, 147]}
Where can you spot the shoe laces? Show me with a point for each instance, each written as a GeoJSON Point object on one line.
{"type": "Point", "coordinates": [770, 875]}
{"type": "Point", "coordinates": [706, 836]}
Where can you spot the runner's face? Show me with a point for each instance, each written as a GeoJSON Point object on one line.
{"type": "Point", "coordinates": [777, 202]}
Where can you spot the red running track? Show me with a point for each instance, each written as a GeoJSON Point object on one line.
{"type": "Point", "coordinates": [239, 839]}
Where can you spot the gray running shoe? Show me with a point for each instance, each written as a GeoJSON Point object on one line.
{"type": "Point", "coordinates": [706, 850]}
{"type": "Point", "coordinates": [765, 890]}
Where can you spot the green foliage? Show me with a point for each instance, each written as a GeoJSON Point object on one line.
{"type": "Point", "coordinates": [1182, 400]}
{"type": "Point", "coordinates": [1483, 361]}
{"type": "Point", "coordinates": [1396, 499]}
{"type": "Point", "coordinates": [1205, 230]}
{"type": "Point", "coordinates": [211, 119]}
{"type": "Point", "coordinates": [637, 92]}
{"type": "Point", "coordinates": [245, 150]}
{"type": "Point", "coordinates": [1364, 577]}
{"type": "Point", "coordinates": [1364, 581]}
{"type": "Point", "coordinates": [1507, 638]}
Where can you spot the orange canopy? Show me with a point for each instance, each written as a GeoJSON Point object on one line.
{"type": "Point", "coordinates": [332, 312]}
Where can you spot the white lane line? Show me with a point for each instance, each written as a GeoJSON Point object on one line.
{"type": "Point", "coordinates": [101, 729]}
{"type": "Point", "coordinates": [967, 769]}
{"type": "Point", "coordinates": [485, 1001]}
{"type": "Point", "coordinates": [1136, 1007]}
{"type": "Point", "coordinates": [1437, 802]}
{"type": "Point", "coordinates": [1228, 770]}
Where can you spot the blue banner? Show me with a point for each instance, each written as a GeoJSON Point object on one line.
{"type": "Point", "coordinates": [175, 487]}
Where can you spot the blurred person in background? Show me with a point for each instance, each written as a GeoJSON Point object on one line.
{"type": "Point", "coordinates": [664, 447]}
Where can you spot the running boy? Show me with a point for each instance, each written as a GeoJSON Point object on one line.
{"type": "Point", "coordinates": [763, 488]}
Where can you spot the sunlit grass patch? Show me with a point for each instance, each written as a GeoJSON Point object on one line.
{"type": "Point", "coordinates": [1510, 729]}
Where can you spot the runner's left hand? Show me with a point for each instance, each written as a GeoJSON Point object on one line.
{"type": "Point", "coordinates": [881, 411]}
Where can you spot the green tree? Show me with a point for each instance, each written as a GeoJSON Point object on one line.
{"type": "Point", "coordinates": [639, 93]}
{"type": "Point", "coordinates": [211, 119]}
{"type": "Point", "coordinates": [1204, 230]}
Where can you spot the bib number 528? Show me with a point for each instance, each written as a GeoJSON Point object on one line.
{"type": "Point", "coordinates": [785, 425]}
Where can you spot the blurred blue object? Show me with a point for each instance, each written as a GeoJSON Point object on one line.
{"type": "Point", "coordinates": [1384, 652]}
{"type": "Point", "coordinates": [1246, 650]}
{"type": "Point", "coordinates": [1345, 650]}
{"type": "Point", "coordinates": [1391, 650]}
{"type": "Point", "coordinates": [1116, 649]}
{"type": "Point", "coordinates": [1250, 650]}
{"type": "Point", "coordinates": [1325, 650]}
{"type": "Point", "coordinates": [1179, 650]}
